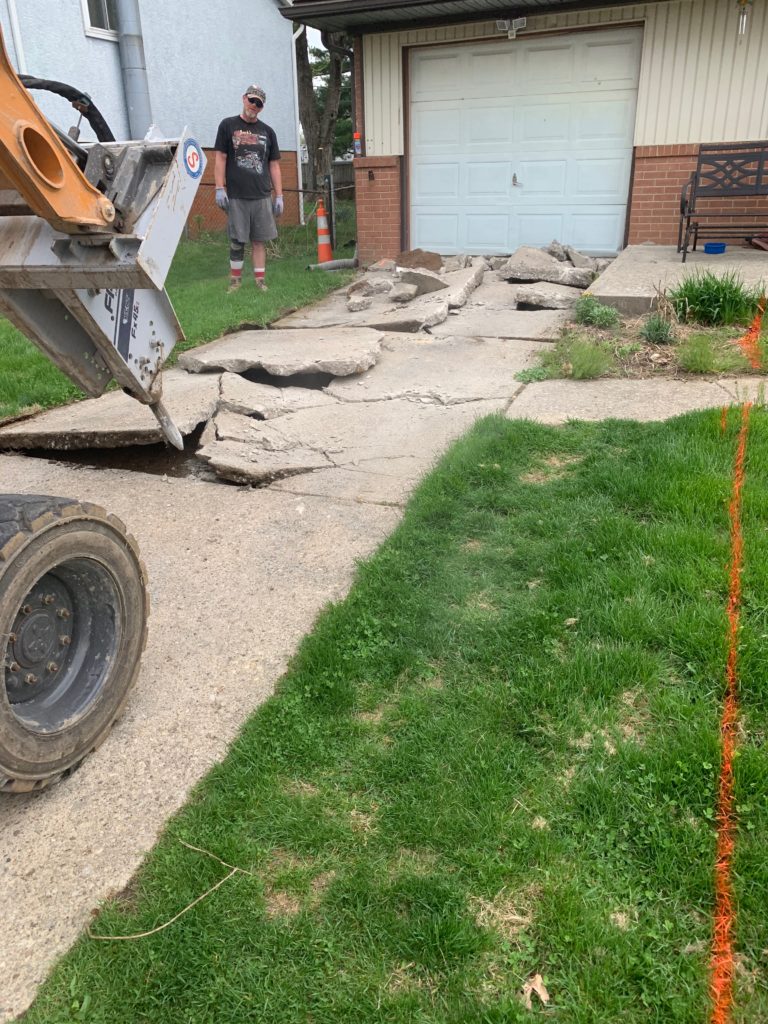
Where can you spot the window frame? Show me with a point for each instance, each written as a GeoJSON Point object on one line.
{"type": "Point", "coordinates": [94, 31]}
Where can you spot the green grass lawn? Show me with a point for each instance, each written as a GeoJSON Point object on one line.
{"type": "Point", "coordinates": [497, 757]}
{"type": "Point", "coordinates": [197, 284]}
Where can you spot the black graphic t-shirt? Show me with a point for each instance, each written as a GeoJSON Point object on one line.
{"type": "Point", "coordinates": [249, 147]}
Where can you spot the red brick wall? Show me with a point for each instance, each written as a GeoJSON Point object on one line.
{"type": "Point", "coordinates": [205, 214]}
{"type": "Point", "coordinates": [659, 175]}
{"type": "Point", "coordinates": [377, 191]}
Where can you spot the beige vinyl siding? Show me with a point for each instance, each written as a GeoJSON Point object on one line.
{"type": "Point", "coordinates": [698, 81]}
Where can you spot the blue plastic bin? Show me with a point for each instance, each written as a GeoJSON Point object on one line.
{"type": "Point", "coordinates": [714, 248]}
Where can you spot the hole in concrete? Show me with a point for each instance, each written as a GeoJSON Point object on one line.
{"type": "Point", "coordinates": [312, 381]}
{"type": "Point", "coordinates": [530, 307]}
{"type": "Point", "coordinates": [155, 459]}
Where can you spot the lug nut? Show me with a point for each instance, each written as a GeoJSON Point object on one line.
{"type": "Point", "coordinates": [63, 613]}
{"type": "Point", "coordinates": [52, 666]}
{"type": "Point", "coordinates": [14, 666]}
{"type": "Point", "coordinates": [49, 599]}
{"type": "Point", "coordinates": [30, 679]}
{"type": "Point", "coordinates": [26, 609]}
{"type": "Point", "coordinates": [65, 641]}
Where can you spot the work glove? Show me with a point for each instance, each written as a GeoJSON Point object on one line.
{"type": "Point", "coordinates": [222, 199]}
{"type": "Point", "coordinates": [278, 206]}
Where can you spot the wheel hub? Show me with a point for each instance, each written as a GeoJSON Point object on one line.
{"type": "Point", "coordinates": [39, 645]}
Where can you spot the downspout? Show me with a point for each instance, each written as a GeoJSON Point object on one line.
{"type": "Point", "coordinates": [133, 67]}
{"type": "Point", "coordinates": [299, 172]}
{"type": "Point", "coordinates": [13, 17]}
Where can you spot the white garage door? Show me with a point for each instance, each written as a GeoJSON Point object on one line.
{"type": "Point", "coordinates": [522, 141]}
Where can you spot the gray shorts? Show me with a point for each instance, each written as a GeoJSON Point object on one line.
{"type": "Point", "coordinates": [251, 220]}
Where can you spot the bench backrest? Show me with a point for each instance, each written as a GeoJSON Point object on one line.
{"type": "Point", "coordinates": [732, 169]}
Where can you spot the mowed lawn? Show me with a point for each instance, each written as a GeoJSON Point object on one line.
{"type": "Point", "coordinates": [497, 758]}
{"type": "Point", "coordinates": [197, 285]}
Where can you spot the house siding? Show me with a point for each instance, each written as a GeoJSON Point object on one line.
{"type": "Point", "coordinates": [698, 81]}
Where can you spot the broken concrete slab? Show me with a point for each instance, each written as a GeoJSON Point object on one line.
{"type": "Point", "coordinates": [487, 322]}
{"type": "Point", "coordinates": [579, 260]}
{"type": "Point", "coordinates": [362, 286]}
{"type": "Point", "coordinates": [557, 401]}
{"type": "Point", "coordinates": [240, 395]}
{"type": "Point", "coordinates": [462, 283]}
{"type": "Point", "coordinates": [557, 250]}
{"type": "Point", "coordinates": [384, 266]}
{"type": "Point", "coordinates": [529, 264]}
{"type": "Point", "coordinates": [547, 296]}
{"type": "Point", "coordinates": [381, 285]}
{"type": "Point", "coordinates": [425, 281]}
{"type": "Point", "coordinates": [283, 353]}
{"type": "Point", "coordinates": [116, 421]}
{"type": "Point", "coordinates": [380, 481]}
{"type": "Point", "coordinates": [358, 302]}
{"type": "Point", "coordinates": [447, 371]}
{"type": "Point", "coordinates": [575, 277]}
{"type": "Point", "coordinates": [403, 293]}
{"type": "Point", "coordinates": [420, 258]}
{"type": "Point", "coordinates": [349, 436]}
{"type": "Point", "coordinates": [458, 262]}
{"type": "Point", "coordinates": [424, 311]}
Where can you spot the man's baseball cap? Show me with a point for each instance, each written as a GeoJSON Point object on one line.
{"type": "Point", "coordinates": [256, 90]}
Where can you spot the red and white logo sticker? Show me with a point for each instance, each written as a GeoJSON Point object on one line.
{"type": "Point", "coordinates": [193, 158]}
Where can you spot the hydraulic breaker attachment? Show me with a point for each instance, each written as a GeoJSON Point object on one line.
{"type": "Point", "coordinates": [87, 235]}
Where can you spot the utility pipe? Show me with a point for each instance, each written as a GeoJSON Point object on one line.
{"type": "Point", "coordinates": [13, 17]}
{"type": "Point", "coordinates": [134, 67]}
{"type": "Point", "coordinates": [299, 171]}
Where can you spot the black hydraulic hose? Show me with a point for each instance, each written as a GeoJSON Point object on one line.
{"type": "Point", "coordinates": [80, 100]}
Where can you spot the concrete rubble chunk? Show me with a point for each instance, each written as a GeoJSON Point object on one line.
{"type": "Point", "coordinates": [339, 351]}
{"type": "Point", "coordinates": [402, 293]}
{"type": "Point", "coordinates": [557, 250]}
{"type": "Point", "coordinates": [240, 395]}
{"type": "Point", "coordinates": [579, 260]}
{"type": "Point", "coordinates": [234, 461]}
{"type": "Point", "coordinates": [362, 286]}
{"type": "Point", "coordinates": [381, 285]}
{"type": "Point", "coordinates": [445, 371]}
{"type": "Point", "coordinates": [529, 264]}
{"type": "Point", "coordinates": [602, 263]}
{"type": "Point", "coordinates": [116, 421]}
{"type": "Point", "coordinates": [357, 303]}
{"type": "Point", "coordinates": [462, 283]}
{"type": "Point", "coordinates": [576, 277]}
{"type": "Point", "coordinates": [420, 258]}
{"type": "Point", "coordinates": [497, 262]}
{"type": "Point", "coordinates": [453, 263]}
{"type": "Point", "coordinates": [425, 311]}
{"type": "Point", "coordinates": [384, 266]}
{"type": "Point", "coordinates": [425, 281]}
{"type": "Point", "coordinates": [547, 296]}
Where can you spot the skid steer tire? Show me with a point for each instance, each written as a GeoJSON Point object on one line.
{"type": "Point", "coordinates": [73, 624]}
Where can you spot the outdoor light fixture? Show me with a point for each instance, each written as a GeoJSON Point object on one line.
{"type": "Point", "coordinates": [502, 24]}
{"type": "Point", "coordinates": [517, 24]}
{"type": "Point", "coordinates": [743, 6]}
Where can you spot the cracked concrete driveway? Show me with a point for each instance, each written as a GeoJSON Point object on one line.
{"type": "Point", "coordinates": [238, 574]}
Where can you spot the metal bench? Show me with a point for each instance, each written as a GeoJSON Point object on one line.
{"type": "Point", "coordinates": [724, 171]}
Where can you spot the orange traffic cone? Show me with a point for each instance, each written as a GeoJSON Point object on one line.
{"type": "Point", "coordinates": [324, 250]}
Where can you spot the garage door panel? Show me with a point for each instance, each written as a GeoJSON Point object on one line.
{"type": "Point", "coordinates": [439, 231]}
{"type": "Point", "coordinates": [601, 178]}
{"type": "Point", "coordinates": [437, 180]}
{"type": "Point", "coordinates": [487, 230]}
{"type": "Point", "coordinates": [539, 227]}
{"type": "Point", "coordinates": [440, 75]}
{"type": "Point", "coordinates": [553, 115]}
{"type": "Point", "coordinates": [541, 177]}
{"type": "Point", "coordinates": [484, 126]}
{"type": "Point", "coordinates": [544, 121]}
{"type": "Point", "coordinates": [488, 179]}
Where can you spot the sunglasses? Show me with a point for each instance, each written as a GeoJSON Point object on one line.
{"type": "Point", "coordinates": [255, 101]}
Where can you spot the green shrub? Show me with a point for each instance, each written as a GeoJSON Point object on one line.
{"type": "Point", "coordinates": [592, 312]}
{"type": "Point", "coordinates": [707, 298]}
{"type": "Point", "coordinates": [658, 329]}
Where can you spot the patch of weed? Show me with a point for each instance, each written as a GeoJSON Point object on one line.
{"type": "Point", "coordinates": [716, 299]}
{"type": "Point", "coordinates": [532, 375]}
{"type": "Point", "coordinates": [592, 312]}
{"type": "Point", "coordinates": [710, 353]}
{"type": "Point", "coordinates": [658, 329]}
{"type": "Point", "coordinates": [578, 357]}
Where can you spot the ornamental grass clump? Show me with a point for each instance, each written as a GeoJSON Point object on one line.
{"type": "Point", "coordinates": [716, 300]}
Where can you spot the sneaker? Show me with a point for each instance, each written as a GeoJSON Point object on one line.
{"type": "Point", "coordinates": [234, 284]}
{"type": "Point", "coordinates": [261, 285]}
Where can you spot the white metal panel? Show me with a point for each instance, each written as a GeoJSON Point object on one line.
{"type": "Point", "coordinates": [520, 142]}
{"type": "Point", "coordinates": [698, 82]}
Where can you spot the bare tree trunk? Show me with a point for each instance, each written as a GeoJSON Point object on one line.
{"type": "Point", "coordinates": [319, 126]}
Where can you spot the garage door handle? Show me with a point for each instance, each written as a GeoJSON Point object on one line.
{"type": "Point", "coordinates": [515, 181]}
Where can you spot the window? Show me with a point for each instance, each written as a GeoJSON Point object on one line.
{"type": "Point", "coordinates": [100, 18]}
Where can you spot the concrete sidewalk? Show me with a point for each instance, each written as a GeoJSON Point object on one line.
{"type": "Point", "coordinates": [238, 575]}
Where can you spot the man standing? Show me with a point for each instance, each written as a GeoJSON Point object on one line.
{"type": "Point", "coordinates": [246, 169]}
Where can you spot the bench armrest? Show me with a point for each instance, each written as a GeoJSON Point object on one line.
{"type": "Point", "coordinates": [686, 196]}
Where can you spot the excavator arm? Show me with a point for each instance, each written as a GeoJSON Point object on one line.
{"type": "Point", "coordinates": [87, 235]}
